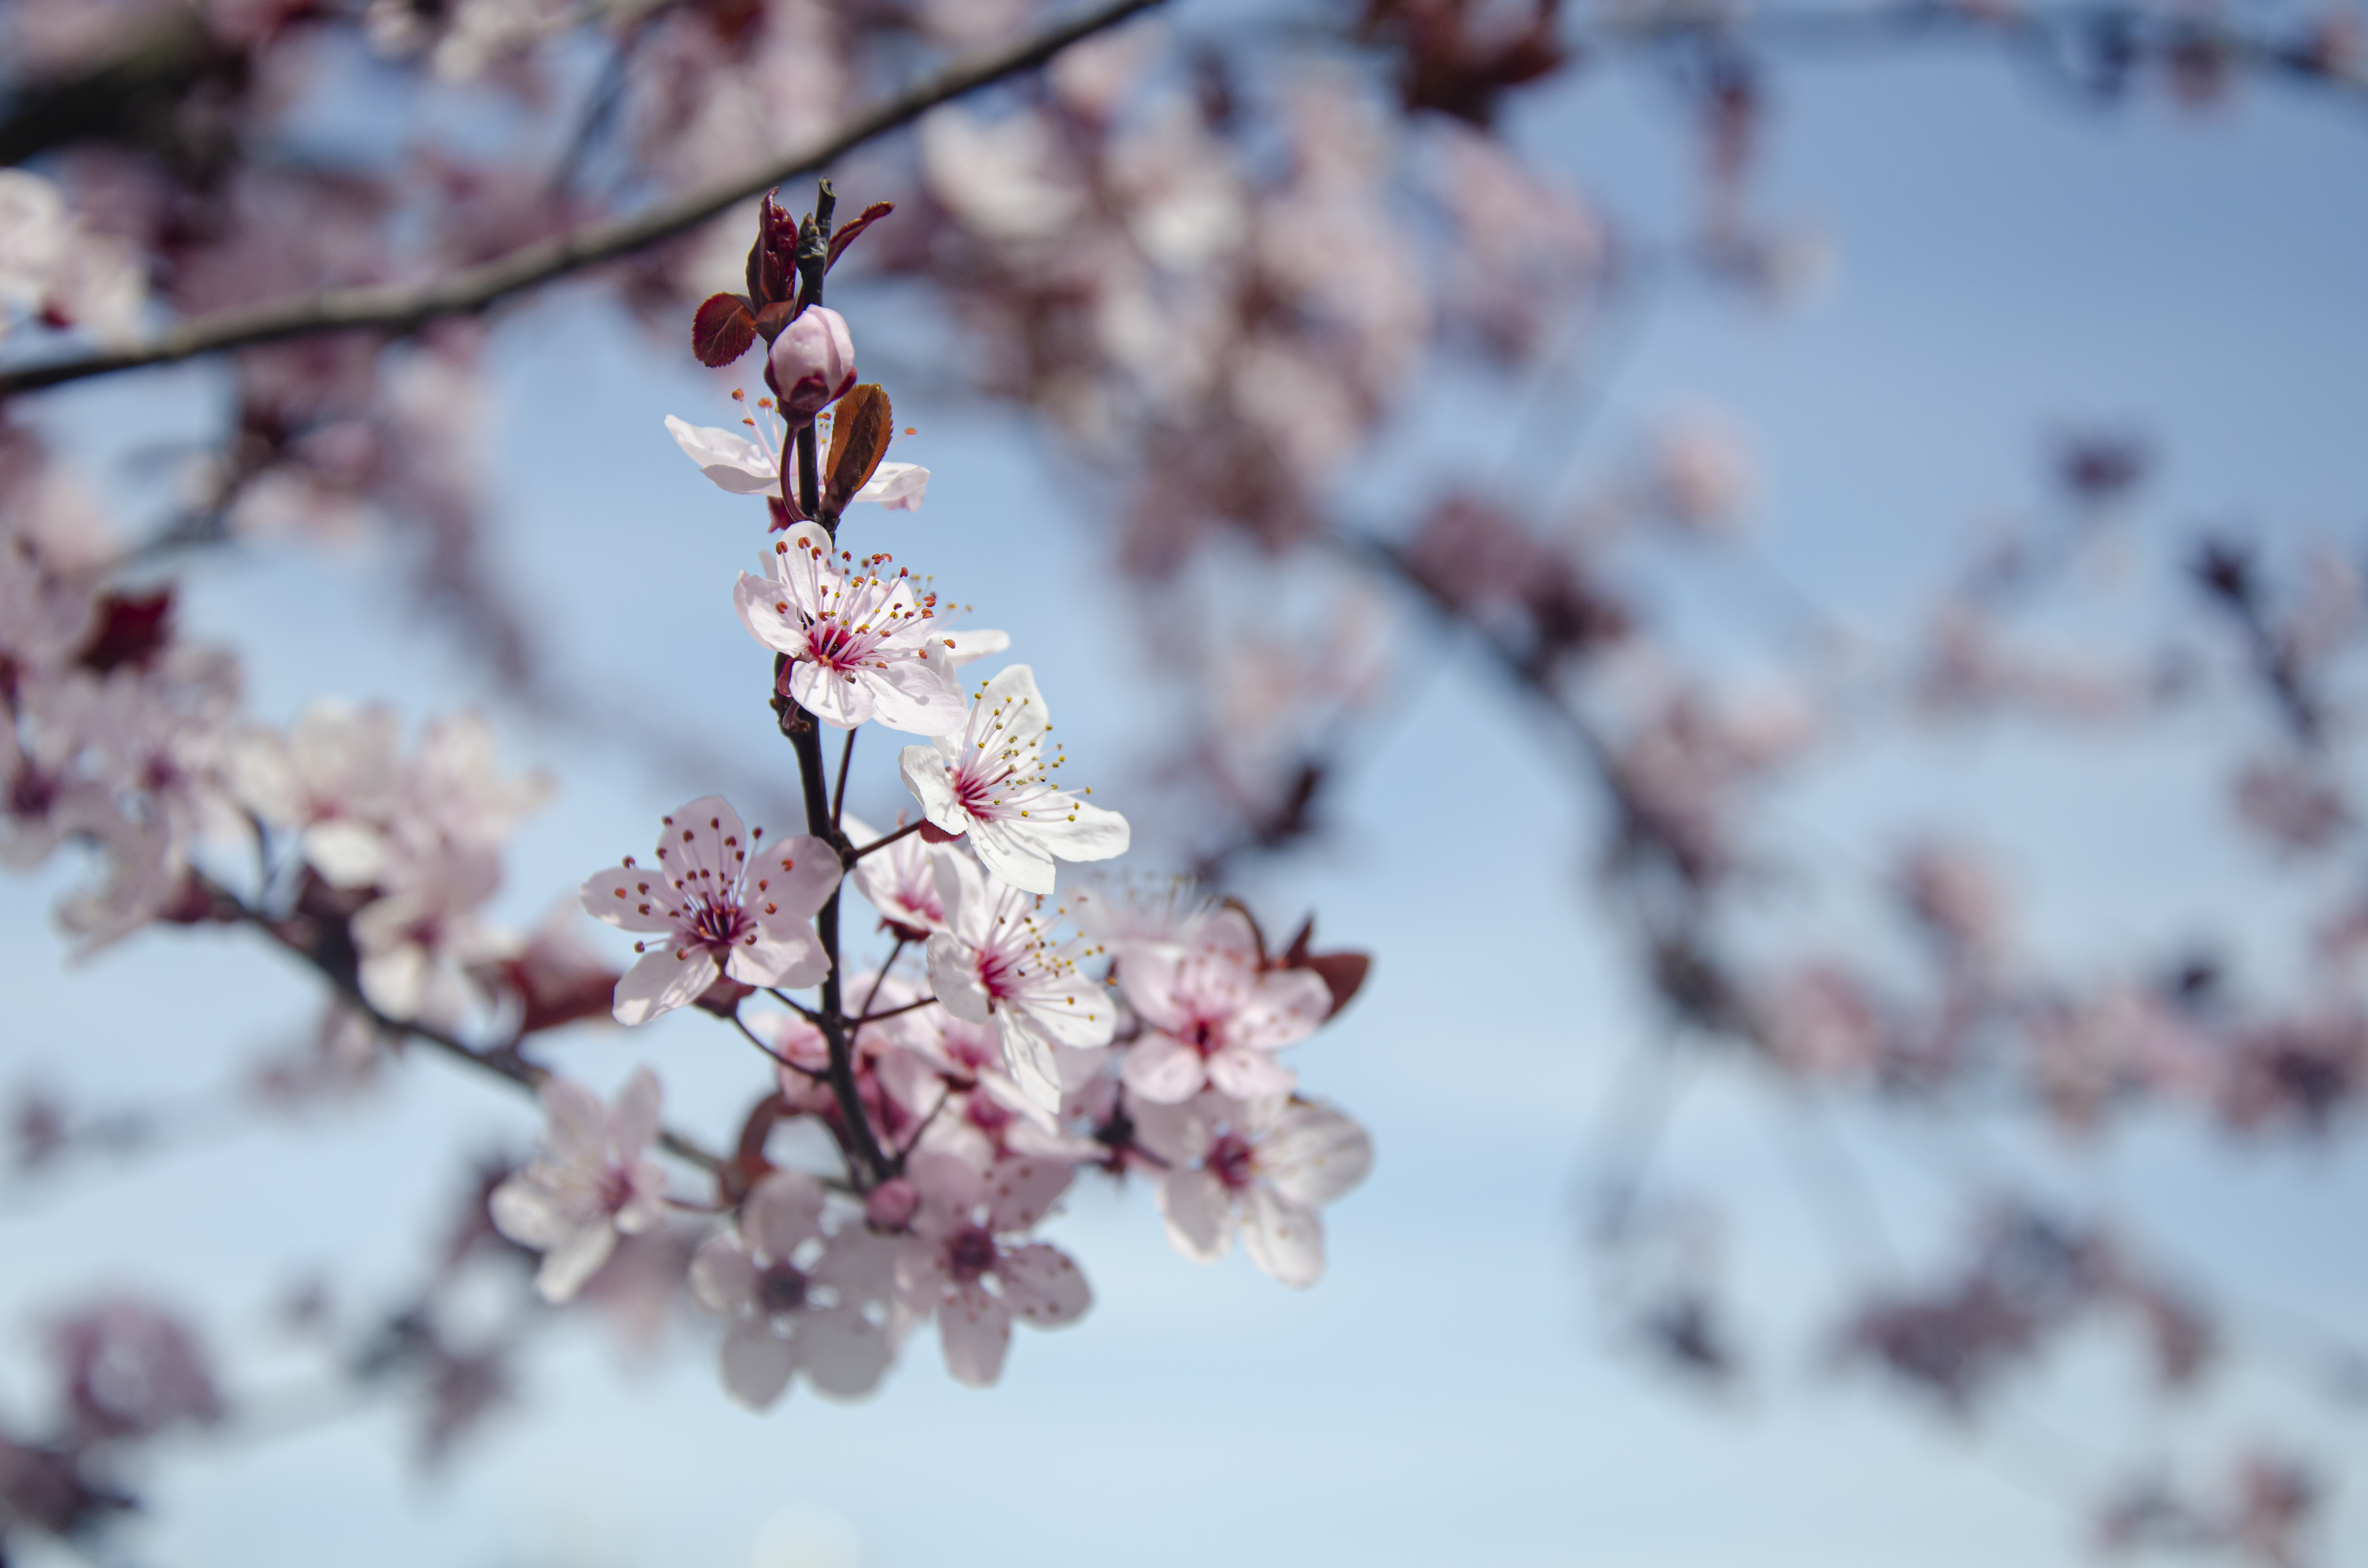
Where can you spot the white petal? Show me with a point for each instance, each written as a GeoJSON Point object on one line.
{"type": "Point", "coordinates": [1250, 1074]}
{"type": "Point", "coordinates": [793, 961]}
{"type": "Point", "coordinates": [1163, 1070]}
{"type": "Point", "coordinates": [954, 975]}
{"type": "Point", "coordinates": [1284, 1239]}
{"type": "Point", "coordinates": [1314, 1153]}
{"type": "Point", "coordinates": [756, 1363]}
{"type": "Point", "coordinates": [972, 645]}
{"type": "Point", "coordinates": [1085, 831]}
{"type": "Point", "coordinates": [662, 978]}
{"type": "Point", "coordinates": [635, 1120]}
{"type": "Point", "coordinates": [783, 1212]}
{"type": "Point", "coordinates": [1013, 855]}
{"type": "Point", "coordinates": [528, 1215]}
{"type": "Point", "coordinates": [722, 1276]}
{"type": "Point", "coordinates": [633, 898]}
{"type": "Point", "coordinates": [975, 1331]}
{"type": "Point", "coordinates": [843, 1354]}
{"type": "Point", "coordinates": [897, 486]}
{"type": "Point", "coordinates": [1200, 1215]}
{"type": "Point", "coordinates": [575, 1259]}
{"type": "Point", "coordinates": [925, 775]}
{"type": "Point", "coordinates": [733, 462]}
{"type": "Point", "coordinates": [770, 614]}
{"type": "Point", "coordinates": [1043, 1286]}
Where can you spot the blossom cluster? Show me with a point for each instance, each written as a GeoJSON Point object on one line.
{"type": "Point", "coordinates": [1015, 1035]}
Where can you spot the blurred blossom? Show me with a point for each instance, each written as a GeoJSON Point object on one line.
{"type": "Point", "coordinates": [1698, 475]}
{"type": "Point", "coordinates": [2292, 805]}
{"type": "Point", "coordinates": [132, 1370]}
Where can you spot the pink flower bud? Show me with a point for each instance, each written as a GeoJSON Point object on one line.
{"type": "Point", "coordinates": [892, 1203]}
{"type": "Point", "coordinates": [812, 365]}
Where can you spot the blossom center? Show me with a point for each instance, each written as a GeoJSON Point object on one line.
{"type": "Point", "coordinates": [1232, 1161]}
{"type": "Point", "coordinates": [970, 1253]}
{"type": "Point", "coordinates": [781, 1288]}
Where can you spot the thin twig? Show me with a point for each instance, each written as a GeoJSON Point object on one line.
{"type": "Point", "coordinates": [405, 308]}
{"type": "Point", "coordinates": [884, 840]}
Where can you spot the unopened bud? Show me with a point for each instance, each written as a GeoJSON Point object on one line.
{"type": "Point", "coordinates": [812, 365]}
{"type": "Point", "coordinates": [890, 1205]}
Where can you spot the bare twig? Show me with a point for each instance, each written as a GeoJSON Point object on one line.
{"type": "Point", "coordinates": [405, 308]}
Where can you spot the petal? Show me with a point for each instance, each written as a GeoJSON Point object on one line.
{"type": "Point", "coordinates": [577, 1124]}
{"type": "Point", "coordinates": [1288, 1006]}
{"type": "Point", "coordinates": [1200, 1215]}
{"type": "Point", "coordinates": [633, 898]}
{"type": "Point", "coordinates": [576, 1258]}
{"type": "Point", "coordinates": [925, 775]}
{"type": "Point", "coordinates": [783, 1212]}
{"type": "Point", "coordinates": [837, 700]}
{"type": "Point", "coordinates": [1163, 1070]}
{"type": "Point", "coordinates": [733, 462]}
{"type": "Point", "coordinates": [897, 486]}
{"type": "Point", "coordinates": [843, 1354]}
{"type": "Point", "coordinates": [974, 1329]}
{"type": "Point", "coordinates": [791, 961]}
{"type": "Point", "coordinates": [1085, 831]}
{"type": "Point", "coordinates": [954, 975]}
{"type": "Point", "coordinates": [795, 878]}
{"type": "Point", "coordinates": [947, 1185]}
{"type": "Point", "coordinates": [1028, 1053]}
{"type": "Point", "coordinates": [1284, 1239]}
{"type": "Point", "coordinates": [348, 852]}
{"type": "Point", "coordinates": [1013, 855]}
{"type": "Point", "coordinates": [920, 696]}
{"type": "Point", "coordinates": [1249, 1075]}
{"type": "Point", "coordinates": [722, 1276]}
{"type": "Point", "coordinates": [756, 1363]}
{"type": "Point", "coordinates": [1043, 1286]}
{"type": "Point", "coordinates": [662, 979]}
{"type": "Point", "coordinates": [635, 1120]}
{"type": "Point", "coordinates": [1314, 1153]}
{"type": "Point", "coordinates": [972, 645]}
{"type": "Point", "coordinates": [1020, 1193]}
{"type": "Point", "coordinates": [527, 1214]}
{"type": "Point", "coordinates": [770, 614]}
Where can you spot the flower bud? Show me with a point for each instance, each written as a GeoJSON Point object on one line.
{"type": "Point", "coordinates": [892, 1204]}
{"type": "Point", "coordinates": [812, 365]}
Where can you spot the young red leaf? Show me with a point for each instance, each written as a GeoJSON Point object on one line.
{"type": "Point", "coordinates": [854, 226]}
{"type": "Point", "coordinates": [858, 439]}
{"type": "Point", "coordinates": [722, 330]}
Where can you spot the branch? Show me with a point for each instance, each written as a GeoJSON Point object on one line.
{"type": "Point", "coordinates": [399, 309]}
{"type": "Point", "coordinates": [505, 1064]}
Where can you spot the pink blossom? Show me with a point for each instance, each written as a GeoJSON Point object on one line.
{"type": "Point", "coordinates": [1215, 1016]}
{"type": "Point", "coordinates": [860, 646]}
{"type": "Point", "coordinates": [962, 1265]}
{"type": "Point", "coordinates": [592, 1183]}
{"type": "Point", "coordinates": [1263, 1169]}
{"type": "Point", "coordinates": [900, 881]}
{"type": "Point", "coordinates": [811, 364]}
{"type": "Point", "coordinates": [797, 1300]}
{"type": "Point", "coordinates": [992, 784]}
{"type": "Point", "coordinates": [746, 467]}
{"type": "Point", "coordinates": [995, 1115]}
{"type": "Point", "coordinates": [713, 917]}
{"type": "Point", "coordinates": [998, 959]}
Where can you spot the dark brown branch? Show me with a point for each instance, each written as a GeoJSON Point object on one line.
{"type": "Point", "coordinates": [397, 309]}
{"type": "Point", "coordinates": [505, 1064]}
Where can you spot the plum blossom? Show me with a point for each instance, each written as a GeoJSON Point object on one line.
{"type": "Point", "coordinates": [746, 467]}
{"type": "Point", "coordinates": [992, 784]}
{"type": "Point", "coordinates": [796, 1298]}
{"type": "Point", "coordinates": [714, 917]}
{"type": "Point", "coordinates": [1215, 1016]}
{"type": "Point", "coordinates": [1263, 1169]}
{"type": "Point", "coordinates": [335, 779]}
{"type": "Point", "coordinates": [593, 1182]}
{"type": "Point", "coordinates": [900, 881]}
{"type": "Point", "coordinates": [860, 646]}
{"type": "Point", "coordinates": [962, 1265]}
{"type": "Point", "coordinates": [994, 1114]}
{"type": "Point", "coordinates": [997, 959]}
{"type": "Point", "coordinates": [811, 364]}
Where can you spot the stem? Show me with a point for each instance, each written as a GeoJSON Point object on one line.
{"type": "Point", "coordinates": [387, 308]}
{"type": "Point", "coordinates": [864, 1013]}
{"type": "Point", "coordinates": [838, 796]}
{"type": "Point", "coordinates": [885, 840]}
{"type": "Point", "coordinates": [869, 1017]}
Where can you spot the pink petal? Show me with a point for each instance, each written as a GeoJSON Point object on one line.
{"type": "Point", "coordinates": [783, 1212]}
{"type": "Point", "coordinates": [756, 1363]}
{"type": "Point", "coordinates": [635, 1120]}
{"type": "Point", "coordinates": [662, 978]}
{"type": "Point", "coordinates": [1043, 1286]}
{"type": "Point", "coordinates": [1249, 1075]}
{"type": "Point", "coordinates": [974, 1330]}
{"type": "Point", "coordinates": [1020, 1192]}
{"type": "Point", "coordinates": [843, 1355]}
{"type": "Point", "coordinates": [1163, 1070]}
{"type": "Point", "coordinates": [722, 1276]}
{"type": "Point", "coordinates": [1200, 1215]}
{"type": "Point", "coordinates": [1284, 1239]}
{"type": "Point", "coordinates": [575, 1259]}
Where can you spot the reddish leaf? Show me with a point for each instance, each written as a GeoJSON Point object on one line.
{"type": "Point", "coordinates": [132, 630]}
{"type": "Point", "coordinates": [1343, 974]}
{"type": "Point", "coordinates": [860, 430]}
{"type": "Point", "coordinates": [722, 330]}
{"type": "Point", "coordinates": [775, 316]}
{"type": "Point", "coordinates": [848, 231]}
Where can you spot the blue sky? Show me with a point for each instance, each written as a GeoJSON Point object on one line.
{"type": "Point", "coordinates": [2005, 267]}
